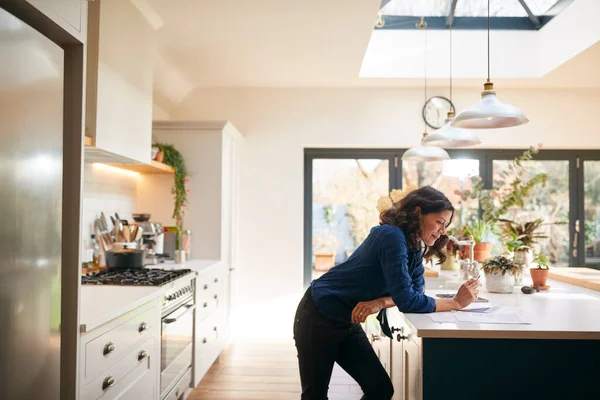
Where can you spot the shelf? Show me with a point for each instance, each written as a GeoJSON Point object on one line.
{"type": "Point", "coordinates": [153, 168]}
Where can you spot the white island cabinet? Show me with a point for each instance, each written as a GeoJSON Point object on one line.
{"type": "Point", "coordinates": [119, 349]}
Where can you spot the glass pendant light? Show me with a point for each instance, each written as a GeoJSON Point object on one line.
{"type": "Point", "coordinates": [425, 152]}
{"type": "Point", "coordinates": [489, 112]}
{"type": "Point", "coordinates": [448, 136]}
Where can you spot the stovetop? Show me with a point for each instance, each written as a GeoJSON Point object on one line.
{"type": "Point", "coordinates": [134, 277]}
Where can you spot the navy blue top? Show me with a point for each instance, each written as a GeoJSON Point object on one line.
{"type": "Point", "coordinates": [381, 266]}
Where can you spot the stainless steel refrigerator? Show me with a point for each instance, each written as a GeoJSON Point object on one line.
{"type": "Point", "coordinates": [31, 159]}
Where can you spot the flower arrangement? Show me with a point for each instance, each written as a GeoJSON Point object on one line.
{"type": "Point", "coordinates": [394, 197]}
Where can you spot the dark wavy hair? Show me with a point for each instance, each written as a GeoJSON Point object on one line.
{"type": "Point", "coordinates": [405, 215]}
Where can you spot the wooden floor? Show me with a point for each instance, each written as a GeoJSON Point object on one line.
{"type": "Point", "coordinates": [264, 370]}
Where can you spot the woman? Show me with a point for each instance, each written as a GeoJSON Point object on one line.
{"type": "Point", "coordinates": [386, 270]}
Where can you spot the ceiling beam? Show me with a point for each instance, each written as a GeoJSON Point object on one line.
{"type": "Point", "coordinates": [531, 16]}
{"type": "Point", "coordinates": [450, 12]}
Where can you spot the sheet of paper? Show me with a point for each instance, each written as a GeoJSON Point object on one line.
{"type": "Point", "coordinates": [442, 317]}
{"type": "Point", "coordinates": [491, 318]}
{"type": "Point", "coordinates": [478, 307]}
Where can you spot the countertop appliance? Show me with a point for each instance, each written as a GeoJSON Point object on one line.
{"type": "Point", "coordinates": [32, 79]}
{"type": "Point", "coordinates": [177, 321]}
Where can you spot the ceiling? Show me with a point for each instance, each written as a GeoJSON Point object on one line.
{"type": "Point", "coordinates": [285, 43]}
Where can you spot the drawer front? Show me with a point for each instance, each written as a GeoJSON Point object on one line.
{"type": "Point", "coordinates": [209, 343]}
{"type": "Point", "coordinates": [184, 384]}
{"type": "Point", "coordinates": [210, 293]}
{"type": "Point", "coordinates": [106, 350]}
{"type": "Point", "coordinates": [140, 364]}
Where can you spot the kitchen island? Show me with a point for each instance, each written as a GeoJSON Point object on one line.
{"type": "Point", "coordinates": [556, 355]}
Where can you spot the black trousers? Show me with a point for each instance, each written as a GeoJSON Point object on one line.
{"type": "Point", "coordinates": [321, 343]}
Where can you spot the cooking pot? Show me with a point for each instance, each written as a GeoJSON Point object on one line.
{"type": "Point", "coordinates": [124, 258]}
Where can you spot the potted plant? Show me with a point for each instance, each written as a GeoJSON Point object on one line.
{"type": "Point", "coordinates": [519, 252]}
{"type": "Point", "coordinates": [525, 233]}
{"type": "Point", "coordinates": [500, 274]}
{"type": "Point", "coordinates": [325, 247]}
{"type": "Point", "coordinates": [479, 230]}
{"type": "Point", "coordinates": [539, 274]}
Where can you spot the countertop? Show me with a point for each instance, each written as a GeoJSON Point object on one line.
{"type": "Point", "coordinates": [580, 276]}
{"type": "Point", "coordinates": [564, 312]}
{"type": "Point", "coordinates": [100, 304]}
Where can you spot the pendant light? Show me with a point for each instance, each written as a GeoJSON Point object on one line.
{"type": "Point", "coordinates": [489, 112]}
{"type": "Point", "coordinates": [448, 136]}
{"type": "Point", "coordinates": [425, 152]}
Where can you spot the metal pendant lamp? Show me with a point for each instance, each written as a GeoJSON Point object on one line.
{"type": "Point", "coordinates": [448, 136]}
{"type": "Point", "coordinates": [490, 112]}
{"type": "Point", "coordinates": [425, 152]}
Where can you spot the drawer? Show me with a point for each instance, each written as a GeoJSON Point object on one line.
{"type": "Point", "coordinates": [135, 371]}
{"type": "Point", "coordinates": [182, 386]}
{"type": "Point", "coordinates": [209, 292]}
{"type": "Point", "coordinates": [107, 349]}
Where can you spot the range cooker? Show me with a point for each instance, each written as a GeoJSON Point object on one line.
{"type": "Point", "coordinates": [177, 321]}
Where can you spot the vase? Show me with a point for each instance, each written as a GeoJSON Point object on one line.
{"type": "Point", "coordinates": [482, 251]}
{"type": "Point", "coordinates": [539, 276]}
{"type": "Point", "coordinates": [524, 258]}
{"type": "Point", "coordinates": [451, 264]}
{"type": "Point", "coordinates": [500, 283]}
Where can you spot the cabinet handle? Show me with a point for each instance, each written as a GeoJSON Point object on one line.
{"type": "Point", "coordinates": [394, 329]}
{"type": "Point", "coordinates": [216, 280]}
{"type": "Point", "coordinates": [108, 382]}
{"type": "Point", "coordinates": [215, 296]}
{"type": "Point", "coordinates": [215, 329]}
{"type": "Point", "coordinates": [205, 287]}
{"type": "Point", "coordinates": [205, 305]}
{"type": "Point", "coordinates": [400, 337]}
{"type": "Point", "coordinates": [204, 341]}
{"type": "Point", "coordinates": [374, 337]}
{"type": "Point", "coordinates": [143, 354]}
{"type": "Point", "coordinates": [143, 327]}
{"type": "Point", "coordinates": [108, 348]}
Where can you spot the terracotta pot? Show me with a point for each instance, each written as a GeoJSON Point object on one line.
{"type": "Point", "coordinates": [539, 276]}
{"type": "Point", "coordinates": [160, 156]}
{"type": "Point", "coordinates": [482, 251]}
{"type": "Point", "coordinates": [324, 260]}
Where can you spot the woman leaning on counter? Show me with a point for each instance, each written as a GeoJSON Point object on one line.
{"type": "Point", "coordinates": [386, 270]}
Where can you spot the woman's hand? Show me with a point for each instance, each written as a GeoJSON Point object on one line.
{"type": "Point", "coordinates": [467, 293]}
{"type": "Point", "coordinates": [366, 308]}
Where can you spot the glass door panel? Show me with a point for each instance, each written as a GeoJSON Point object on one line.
{"type": "Point", "coordinates": [551, 203]}
{"type": "Point", "coordinates": [344, 201]}
{"type": "Point", "coordinates": [591, 207]}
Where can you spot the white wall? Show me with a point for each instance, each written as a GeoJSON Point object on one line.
{"type": "Point", "coordinates": [279, 123]}
{"type": "Point", "coordinates": [109, 190]}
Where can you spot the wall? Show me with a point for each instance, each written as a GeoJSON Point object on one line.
{"type": "Point", "coordinates": [279, 123]}
{"type": "Point", "coordinates": [109, 190]}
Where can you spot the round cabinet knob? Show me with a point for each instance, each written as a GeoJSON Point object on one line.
{"type": "Point", "coordinates": [215, 329]}
{"type": "Point", "coordinates": [215, 296]}
{"type": "Point", "coordinates": [401, 337]}
{"type": "Point", "coordinates": [216, 280]}
{"type": "Point", "coordinates": [204, 341]}
{"type": "Point", "coordinates": [205, 305]}
{"type": "Point", "coordinates": [109, 348]}
{"type": "Point", "coordinates": [108, 382]}
{"type": "Point", "coordinates": [143, 327]}
{"type": "Point", "coordinates": [143, 354]}
{"type": "Point", "coordinates": [205, 287]}
{"type": "Point", "coordinates": [394, 329]}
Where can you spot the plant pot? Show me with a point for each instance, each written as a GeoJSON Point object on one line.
{"type": "Point", "coordinates": [451, 264]}
{"type": "Point", "coordinates": [160, 156]}
{"type": "Point", "coordinates": [539, 276]}
{"type": "Point", "coordinates": [523, 257]}
{"type": "Point", "coordinates": [324, 260]}
{"type": "Point", "coordinates": [500, 283]}
{"type": "Point", "coordinates": [482, 251]}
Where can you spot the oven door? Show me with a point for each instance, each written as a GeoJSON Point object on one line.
{"type": "Point", "coordinates": [176, 345]}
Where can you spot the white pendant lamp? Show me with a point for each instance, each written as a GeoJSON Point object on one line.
{"type": "Point", "coordinates": [425, 152]}
{"type": "Point", "coordinates": [448, 136]}
{"type": "Point", "coordinates": [490, 112]}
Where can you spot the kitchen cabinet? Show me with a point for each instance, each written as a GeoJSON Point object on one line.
{"type": "Point", "coordinates": [120, 62]}
{"type": "Point", "coordinates": [68, 14]}
{"type": "Point", "coordinates": [121, 358]}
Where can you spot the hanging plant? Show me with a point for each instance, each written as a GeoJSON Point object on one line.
{"type": "Point", "coordinates": [174, 158]}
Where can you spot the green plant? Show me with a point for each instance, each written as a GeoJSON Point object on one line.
{"type": "Point", "coordinates": [174, 158]}
{"type": "Point", "coordinates": [495, 202]}
{"type": "Point", "coordinates": [541, 260]}
{"type": "Point", "coordinates": [478, 229]}
{"type": "Point", "coordinates": [514, 243]}
{"type": "Point", "coordinates": [500, 264]}
{"type": "Point", "coordinates": [329, 213]}
{"type": "Point", "coordinates": [526, 232]}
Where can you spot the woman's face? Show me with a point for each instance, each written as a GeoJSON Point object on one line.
{"type": "Point", "coordinates": [433, 226]}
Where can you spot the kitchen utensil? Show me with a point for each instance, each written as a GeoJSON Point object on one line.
{"type": "Point", "coordinates": [124, 258]}
{"type": "Point", "coordinates": [104, 222]}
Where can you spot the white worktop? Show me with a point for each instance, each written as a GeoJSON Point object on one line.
{"type": "Point", "coordinates": [564, 312]}
{"type": "Point", "coordinates": [100, 304]}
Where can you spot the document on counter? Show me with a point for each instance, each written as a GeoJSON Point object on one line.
{"type": "Point", "coordinates": [491, 315]}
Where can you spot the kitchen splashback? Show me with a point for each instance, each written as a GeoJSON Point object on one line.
{"type": "Point", "coordinates": [106, 189]}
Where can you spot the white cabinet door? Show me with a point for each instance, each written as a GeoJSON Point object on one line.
{"type": "Point", "coordinates": [234, 227]}
{"type": "Point", "coordinates": [397, 366]}
{"type": "Point", "coordinates": [412, 370]}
